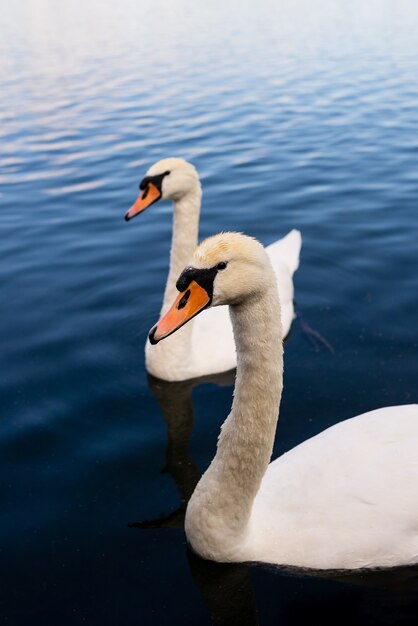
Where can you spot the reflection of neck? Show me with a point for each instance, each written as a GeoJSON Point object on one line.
{"type": "Point", "coordinates": [162, 358]}
{"type": "Point", "coordinates": [175, 401]}
{"type": "Point", "coordinates": [183, 242]}
{"type": "Point", "coordinates": [219, 510]}
{"type": "Point", "coordinates": [227, 590]}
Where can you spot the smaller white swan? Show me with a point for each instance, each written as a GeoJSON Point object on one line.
{"type": "Point", "coordinates": [207, 345]}
{"type": "Point", "coordinates": [345, 499]}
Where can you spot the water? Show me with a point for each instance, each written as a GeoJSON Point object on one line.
{"type": "Point", "coordinates": [297, 114]}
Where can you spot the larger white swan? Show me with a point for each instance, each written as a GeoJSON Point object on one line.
{"type": "Point", "coordinates": [347, 498]}
{"type": "Point", "coordinates": [207, 345]}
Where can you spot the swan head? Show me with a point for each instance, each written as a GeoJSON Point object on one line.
{"type": "Point", "coordinates": [228, 268]}
{"type": "Point", "coordinates": [168, 179]}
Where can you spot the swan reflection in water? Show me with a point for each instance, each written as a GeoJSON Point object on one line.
{"type": "Point", "coordinates": [226, 588]}
{"type": "Point", "coordinates": [176, 404]}
{"type": "Point", "coordinates": [380, 597]}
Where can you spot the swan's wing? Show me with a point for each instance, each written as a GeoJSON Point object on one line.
{"type": "Point", "coordinates": [345, 498]}
{"type": "Point", "coordinates": [286, 250]}
{"type": "Point", "coordinates": [284, 257]}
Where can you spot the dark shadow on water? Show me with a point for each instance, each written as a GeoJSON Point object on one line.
{"type": "Point", "coordinates": [292, 597]}
{"type": "Point", "coordinates": [176, 404]}
{"type": "Point", "coordinates": [226, 589]}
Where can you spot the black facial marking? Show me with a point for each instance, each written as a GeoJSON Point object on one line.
{"type": "Point", "coordinates": [203, 277]}
{"type": "Point", "coordinates": [157, 181]}
{"type": "Point", "coordinates": [184, 300]}
{"type": "Point", "coordinates": [151, 335]}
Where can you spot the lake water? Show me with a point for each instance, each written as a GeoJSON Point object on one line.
{"type": "Point", "coordinates": [296, 114]}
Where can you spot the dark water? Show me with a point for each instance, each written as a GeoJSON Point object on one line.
{"type": "Point", "coordinates": [297, 114]}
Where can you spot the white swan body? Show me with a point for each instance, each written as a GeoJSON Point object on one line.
{"type": "Point", "coordinates": [347, 498]}
{"type": "Point", "coordinates": [344, 499]}
{"type": "Point", "coordinates": [207, 345]}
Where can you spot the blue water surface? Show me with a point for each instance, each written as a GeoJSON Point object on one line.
{"type": "Point", "coordinates": [297, 114]}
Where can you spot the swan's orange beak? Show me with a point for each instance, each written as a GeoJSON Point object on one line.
{"type": "Point", "coordinates": [188, 304]}
{"type": "Point", "coordinates": [147, 197]}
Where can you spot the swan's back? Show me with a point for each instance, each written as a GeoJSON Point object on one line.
{"type": "Point", "coordinates": [345, 498]}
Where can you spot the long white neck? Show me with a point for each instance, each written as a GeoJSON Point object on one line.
{"type": "Point", "coordinates": [186, 213]}
{"type": "Point", "coordinates": [162, 358]}
{"type": "Point", "coordinates": [219, 510]}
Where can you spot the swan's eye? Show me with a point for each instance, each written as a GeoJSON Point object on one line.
{"type": "Point", "coordinates": [221, 266]}
{"type": "Point", "coordinates": [166, 173]}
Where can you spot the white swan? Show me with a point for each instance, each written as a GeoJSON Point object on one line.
{"type": "Point", "coordinates": [207, 345]}
{"type": "Point", "coordinates": [345, 499]}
